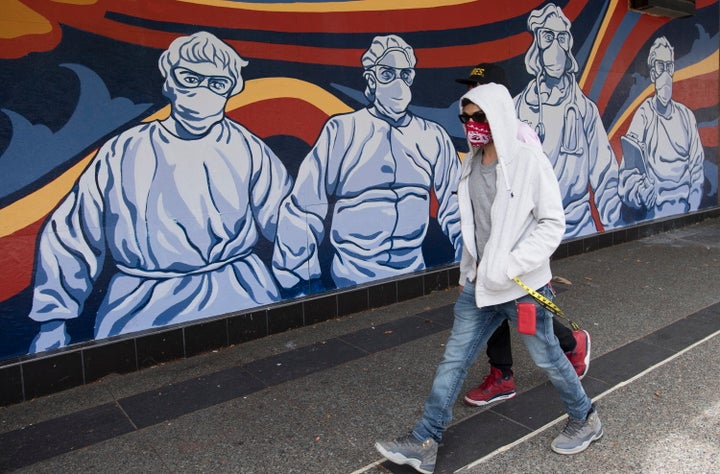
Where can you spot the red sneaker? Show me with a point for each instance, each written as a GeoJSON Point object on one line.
{"type": "Point", "coordinates": [494, 388]}
{"type": "Point", "coordinates": [580, 356]}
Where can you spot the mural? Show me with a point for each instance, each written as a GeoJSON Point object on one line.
{"type": "Point", "coordinates": [284, 149]}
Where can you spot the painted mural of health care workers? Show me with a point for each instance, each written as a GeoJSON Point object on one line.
{"type": "Point", "coordinates": [569, 125]}
{"type": "Point", "coordinates": [176, 206]}
{"type": "Point", "coordinates": [373, 170]}
{"type": "Point", "coordinates": [662, 167]}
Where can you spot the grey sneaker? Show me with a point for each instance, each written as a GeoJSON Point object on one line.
{"type": "Point", "coordinates": [578, 434]}
{"type": "Point", "coordinates": [408, 450]}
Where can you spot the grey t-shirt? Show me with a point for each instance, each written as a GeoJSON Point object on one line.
{"type": "Point", "coordinates": [482, 188]}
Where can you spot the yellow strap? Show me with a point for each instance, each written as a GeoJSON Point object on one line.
{"type": "Point", "coordinates": [547, 304]}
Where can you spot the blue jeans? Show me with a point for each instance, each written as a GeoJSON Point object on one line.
{"type": "Point", "coordinates": [472, 328]}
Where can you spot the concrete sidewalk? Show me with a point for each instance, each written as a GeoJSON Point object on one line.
{"type": "Point", "coordinates": [315, 399]}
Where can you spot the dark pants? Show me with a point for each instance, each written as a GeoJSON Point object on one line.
{"type": "Point", "coordinates": [500, 353]}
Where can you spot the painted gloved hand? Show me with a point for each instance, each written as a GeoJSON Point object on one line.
{"type": "Point", "coordinates": [647, 193]}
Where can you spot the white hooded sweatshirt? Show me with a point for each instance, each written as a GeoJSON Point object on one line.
{"type": "Point", "coordinates": [527, 220]}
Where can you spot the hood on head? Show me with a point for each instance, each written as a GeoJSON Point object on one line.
{"type": "Point", "coordinates": [495, 101]}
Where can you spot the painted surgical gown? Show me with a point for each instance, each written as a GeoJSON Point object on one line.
{"type": "Point", "coordinates": [578, 147]}
{"type": "Point", "coordinates": [178, 219]}
{"type": "Point", "coordinates": [674, 157]}
{"type": "Point", "coordinates": [375, 180]}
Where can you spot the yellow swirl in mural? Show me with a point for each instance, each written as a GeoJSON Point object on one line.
{"type": "Point", "coordinates": [19, 20]}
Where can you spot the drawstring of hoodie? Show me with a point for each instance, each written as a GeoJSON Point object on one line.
{"type": "Point", "coordinates": [505, 177]}
{"type": "Point", "coordinates": [540, 127]}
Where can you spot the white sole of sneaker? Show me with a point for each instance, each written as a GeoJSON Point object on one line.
{"type": "Point", "coordinates": [580, 448]}
{"type": "Point", "coordinates": [481, 403]}
{"type": "Point", "coordinates": [398, 458]}
{"type": "Point", "coordinates": [587, 354]}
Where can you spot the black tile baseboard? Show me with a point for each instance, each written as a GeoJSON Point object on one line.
{"type": "Point", "coordinates": [11, 386]}
{"type": "Point", "coordinates": [247, 327]}
{"type": "Point", "coordinates": [353, 301]}
{"type": "Point", "coordinates": [383, 294]}
{"type": "Point", "coordinates": [286, 317]}
{"type": "Point", "coordinates": [28, 377]}
{"type": "Point", "coordinates": [318, 310]}
{"type": "Point", "coordinates": [410, 288]}
{"type": "Point", "coordinates": [154, 349]}
{"type": "Point", "coordinates": [205, 337]}
{"type": "Point", "coordinates": [117, 357]}
{"type": "Point", "coordinates": [47, 375]}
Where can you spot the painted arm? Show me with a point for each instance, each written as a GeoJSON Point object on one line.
{"type": "Point", "coordinates": [301, 220]}
{"type": "Point", "coordinates": [69, 259]}
{"type": "Point", "coordinates": [270, 185]}
{"type": "Point", "coordinates": [635, 189]}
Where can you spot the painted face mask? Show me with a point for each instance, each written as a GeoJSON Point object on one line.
{"type": "Point", "coordinates": [663, 88]}
{"type": "Point", "coordinates": [196, 109]}
{"type": "Point", "coordinates": [393, 98]}
{"type": "Point", "coordinates": [478, 134]}
{"type": "Point", "coordinates": [554, 46]}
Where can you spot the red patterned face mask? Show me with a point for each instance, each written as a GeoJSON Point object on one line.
{"type": "Point", "coordinates": [478, 134]}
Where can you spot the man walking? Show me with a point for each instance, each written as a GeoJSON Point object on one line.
{"type": "Point", "coordinates": [512, 220]}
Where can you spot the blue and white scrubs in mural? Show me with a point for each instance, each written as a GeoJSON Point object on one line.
{"type": "Point", "coordinates": [178, 218]}
{"type": "Point", "coordinates": [375, 168]}
{"type": "Point", "coordinates": [569, 125]}
{"type": "Point", "coordinates": [662, 168]}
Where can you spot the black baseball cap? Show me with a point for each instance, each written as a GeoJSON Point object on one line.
{"type": "Point", "coordinates": [485, 73]}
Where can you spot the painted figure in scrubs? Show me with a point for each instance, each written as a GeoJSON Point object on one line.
{"type": "Point", "coordinates": [662, 168]}
{"type": "Point", "coordinates": [174, 206]}
{"type": "Point", "coordinates": [569, 125]}
{"type": "Point", "coordinates": [366, 184]}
